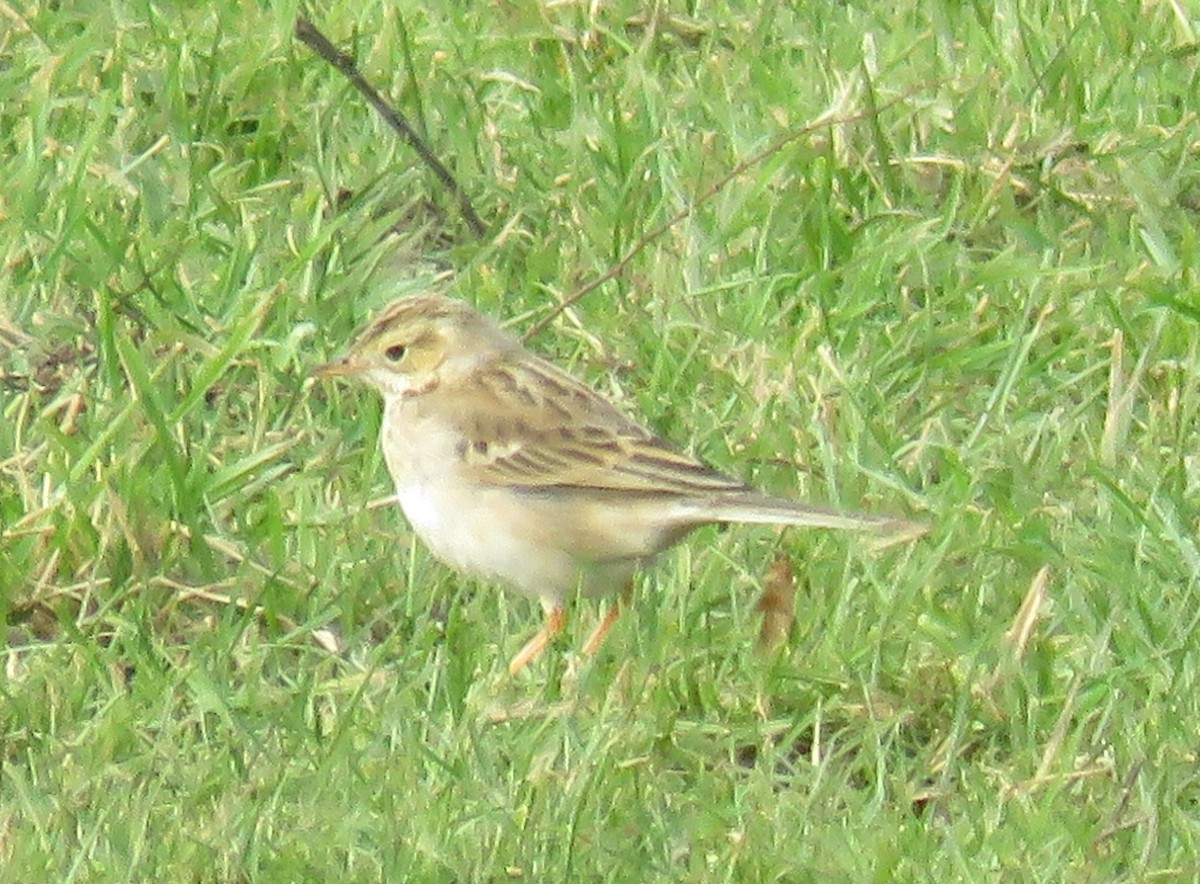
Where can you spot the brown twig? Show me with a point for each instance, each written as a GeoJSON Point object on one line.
{"type": "Point", "coordinates": [742, 167]}
{"type": "Point", "coordinates": [307, 33]}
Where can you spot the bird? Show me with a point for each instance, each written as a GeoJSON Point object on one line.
{"type": "Point", "coordinates": [511, 470]}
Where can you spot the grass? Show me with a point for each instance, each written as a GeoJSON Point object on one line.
{"type": "Point", "coordinates": [977, 308]}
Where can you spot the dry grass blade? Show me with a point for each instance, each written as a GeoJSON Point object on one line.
{"type": "Point", "coordinates": [1042, 776]}
{"type": "Point", "coordinates": [1018, 634]}
{"type": "Point", "coordinates": [11, 337]}
{"type": "Point", "coordinates": [1116, 415]}
{"type": "Point", "coordinates": [894, 533]}
{"type": "Point", "coordinates": [1016, 639]}
{"type": "Point", "coordinates": [324, 639]}
{"type": "Point", "coordinates": [777, 604]}
{"type": "Point", "coordinates": [1123, 390]}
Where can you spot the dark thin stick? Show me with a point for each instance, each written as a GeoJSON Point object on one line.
{"type": "Point", "coordinates": [1116, 825]}
{"type": "Point", "coordinates": [307, 33]}
{"type": "Point", "coordinates": [746, 164]}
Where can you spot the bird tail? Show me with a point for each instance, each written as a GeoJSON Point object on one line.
{"type": "Point", "coordinates": [761, 509]}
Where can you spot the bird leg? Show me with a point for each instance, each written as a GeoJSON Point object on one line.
{"type": "Point", "coordinates": [556, 622]}
{"type": "Point", "coordinates": [596, 639]}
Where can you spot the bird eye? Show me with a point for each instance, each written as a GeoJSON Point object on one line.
{"type": "Point", "coordinates": [395, 352]}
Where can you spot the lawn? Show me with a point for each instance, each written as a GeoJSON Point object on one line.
{"type": "Point", "coordinates": [953, 279]}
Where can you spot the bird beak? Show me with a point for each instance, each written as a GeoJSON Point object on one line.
{"type": "Point", "coordinates": [337, 368]}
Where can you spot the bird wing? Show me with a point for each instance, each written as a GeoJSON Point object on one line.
{"type": "Point", "coordinates": [525, 423]}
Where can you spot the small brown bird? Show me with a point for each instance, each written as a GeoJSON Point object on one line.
{"type": "Point", "coordinates": [511, 470]}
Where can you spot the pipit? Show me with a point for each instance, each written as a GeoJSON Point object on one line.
{"type": "Point", "coordinates": [511, 470]}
